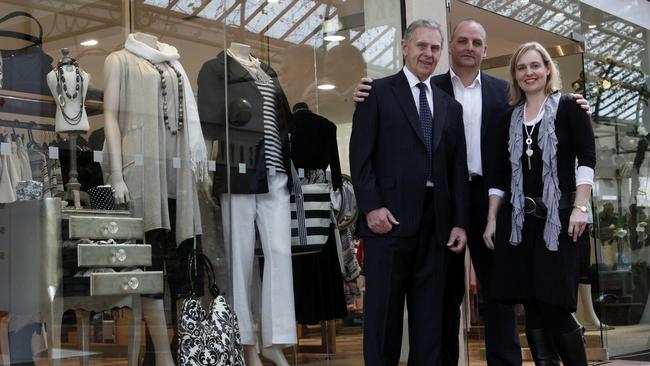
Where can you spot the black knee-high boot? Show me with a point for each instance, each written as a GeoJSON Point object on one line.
{"type": "Point", "coordinates": [571, 347]}
{"type": "Point", "coordinates": [542, 348]}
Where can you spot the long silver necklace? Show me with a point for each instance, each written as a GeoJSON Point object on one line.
{"type": "Point", "coordinates": [529, 134]}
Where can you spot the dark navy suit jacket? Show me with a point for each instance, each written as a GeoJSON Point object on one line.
{"type": "Point", "coordinates": [388, 158]}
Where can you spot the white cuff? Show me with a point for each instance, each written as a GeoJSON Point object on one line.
{"type": "Point", "coordinates": [496, 192]}
{"type": "Point", "coordinates": [585, 175]}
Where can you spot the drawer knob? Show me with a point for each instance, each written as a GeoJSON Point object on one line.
{"type": "Point", "coordinates": [110, 228]}
{"type": "Point", "coordinates": [131, 284]}
{"type": "Point", "coordinates": [120, 255]}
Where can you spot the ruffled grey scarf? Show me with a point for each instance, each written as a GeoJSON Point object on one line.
{"type": "Point", "coordinates": [547, 142]}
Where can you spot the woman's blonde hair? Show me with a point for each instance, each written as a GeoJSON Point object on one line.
{"type": "Point", "coordinates": [553, 82]}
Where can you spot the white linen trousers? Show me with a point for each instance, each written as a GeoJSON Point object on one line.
{"type": "Point", "coordinates": [271, 213]}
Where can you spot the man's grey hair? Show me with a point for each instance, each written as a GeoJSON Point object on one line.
{"type": "Point", "coordinates": [423, 23]}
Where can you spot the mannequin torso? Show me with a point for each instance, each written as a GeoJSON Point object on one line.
{"type": "Point", "coordinates": [71, 106]}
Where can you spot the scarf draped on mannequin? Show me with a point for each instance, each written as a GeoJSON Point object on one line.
{"type": "Point", "coordinates": [168, 53]}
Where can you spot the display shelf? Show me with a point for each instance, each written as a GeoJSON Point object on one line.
{"type": "Point", "coordinates": [43, 105]}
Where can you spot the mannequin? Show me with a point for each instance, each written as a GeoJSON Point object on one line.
{"type": "Point", "coordinates": [139, 81]}
{"type": "Point", "coordinates": [258, 193]}
{"type": "Point", "coordinates": [67, 108]}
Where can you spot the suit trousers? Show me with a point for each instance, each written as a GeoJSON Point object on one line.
{"type": "Point", "coordinates": [399, 268]}
{"type": "Point", "coordinates": [271, 214]}
{"type": "Point", "coordinates": [501, 333]}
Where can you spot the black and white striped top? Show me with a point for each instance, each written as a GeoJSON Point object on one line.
{"type": "Point", "coordinates": [272, 144]}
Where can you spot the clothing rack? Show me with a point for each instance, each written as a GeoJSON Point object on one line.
{"type": "Point", "coordinates": [26, 125]}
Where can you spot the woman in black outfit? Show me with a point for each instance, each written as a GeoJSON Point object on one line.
{"type": "Point", "coordinates": [538, 205]}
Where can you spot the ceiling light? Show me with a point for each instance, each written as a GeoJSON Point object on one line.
{"type": "Point", "coordinates": [90, 42]}
{"type": "Point", "coordinates": [592, 26]}
{"type": "Point", "coordinates": [273, 1]}
{"type": "Point", "coordinates": [334, 38]}
{"type": "Point", "coordinates": [523, 2]}
{"type": "Point", "coordinates": [559, 15]}
{"type": "Point", "coordinates": [326, 86]}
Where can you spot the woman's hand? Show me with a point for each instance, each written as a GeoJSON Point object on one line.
{"type": "Point", "coordinates": [488, 235]}
{"type": "Point", "coordinates": [577, 223]}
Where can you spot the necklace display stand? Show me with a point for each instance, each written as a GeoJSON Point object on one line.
{"type": "Point", "coordinates": [71, 123]}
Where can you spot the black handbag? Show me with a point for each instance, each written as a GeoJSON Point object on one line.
{"type": "Point", "coordinates": [25, 69]}
{"type": "Point", "coordinates": [210, 338]}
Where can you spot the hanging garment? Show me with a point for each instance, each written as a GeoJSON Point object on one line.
{"type": "Point", "coordinates": [7, 193]}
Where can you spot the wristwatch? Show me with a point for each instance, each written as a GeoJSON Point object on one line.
{"type": "Point", "coordinates": [582, 208]}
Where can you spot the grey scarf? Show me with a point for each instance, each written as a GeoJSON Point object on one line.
{"type": "Point", "coordinates": [547, 142]}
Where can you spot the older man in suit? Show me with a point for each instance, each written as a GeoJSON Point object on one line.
{"type": "Point", "coordinates": [409, 171]}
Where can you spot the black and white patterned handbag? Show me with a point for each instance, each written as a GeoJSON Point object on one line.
{"type": "Point", "coordinates": [210, 338]}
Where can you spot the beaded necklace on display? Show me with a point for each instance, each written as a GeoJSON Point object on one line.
{"type": "Point", "coordinates": [62, 89]}
{"type": "Point", "coordinates": [163, 90]}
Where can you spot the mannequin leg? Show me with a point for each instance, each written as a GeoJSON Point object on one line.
{"type": "Point", "coordinates": [239, 233]}
{"type": "Point", "coordinates": [275, 355]}
{"type": "Point", "coordinates": [585, 311]}
{"type": "Point", "coordinates": [251, 357]}
{"type": "Point", "coordinates": [274, 225]}
{"type": "Point", "coordinates": [154, 315]}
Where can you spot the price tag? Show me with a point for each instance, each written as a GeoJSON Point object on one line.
{"type": "Point", "coordinates": [176, 163]}
{"type": "Point", "coordinates": [97, 156]}
{"type": "Point", "coordinates": [5, 148]}
{"type": "Point", "coordinates": [139, 159]}
{"type": "Point", "coordinates": [212, 165]}
{"type": "Point", "coordinates": [53, 152]}
{"type": "Point", "coordinates": [272, 171]}
{"type": "Point", "coordinates": [242, 168]}
{"type": "Point", "coordinates": [301, 173]}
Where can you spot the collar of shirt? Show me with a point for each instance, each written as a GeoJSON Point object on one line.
{"type": "Point", "coordinates": [456, 79]}
{"type": "Point", "coordinates": [413, 82]}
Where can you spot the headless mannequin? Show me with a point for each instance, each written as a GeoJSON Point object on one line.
{"type": "Point", "coordinates": [241, 53]}
{"type": "Point", "coordinates": [152, 309]}
{"type": "Point", "coordinates": [70, 106]}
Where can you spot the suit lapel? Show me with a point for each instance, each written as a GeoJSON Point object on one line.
{"type": "Point", "coordinates": [404, 96]}
{"type": "Point", "coordinates": [486, 100]}
{"type": "Point", "coordinates": [446, 85]}
{"type": "Point", "coordinates": [439, 116]}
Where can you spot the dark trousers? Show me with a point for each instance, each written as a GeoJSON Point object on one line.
{"type": "Point", "coordinates": [501, 333]}
{"type": "Point", "coordinates": [398, 269]}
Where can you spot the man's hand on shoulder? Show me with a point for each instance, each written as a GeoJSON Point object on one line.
{"type": "Point", "coordinates": [457, 239]}
{"type": "Point", "coordinates": [362, 91]}
{"type": "Point", "coordinates": [581, 101]}
{"type": "Point", "coordinates": [380, 220]}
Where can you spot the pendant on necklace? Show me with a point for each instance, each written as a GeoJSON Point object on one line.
{"type": "Point", "coordinates": [529, 151]}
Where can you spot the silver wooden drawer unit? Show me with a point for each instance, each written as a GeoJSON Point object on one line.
{"type": "Point", "coordinates": [100, 228]}
{"type": "Point", "coordinates": [122, 283]}
{"type": "Point", "coordinates": [113, 255]}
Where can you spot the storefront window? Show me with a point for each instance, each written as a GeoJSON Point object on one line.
{"type": "Point", "coordinates": [174, 91]}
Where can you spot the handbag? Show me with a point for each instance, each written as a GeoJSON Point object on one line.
{"type": "Point", "coordinates": [25, 69]}
{"type": "Point", "coordinates": [102, 198]}
{"type": "Point", "coordinates": [311, 215]}
{"type": "Point", "coordinates": [210, 338]}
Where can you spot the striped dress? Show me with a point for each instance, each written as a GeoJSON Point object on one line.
{"type": "Point", "coordinates": [272, 144]}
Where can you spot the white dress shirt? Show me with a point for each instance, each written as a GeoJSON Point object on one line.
{"type": "Point", "coordinates": [413, 84]}
{"type": "Point", "coordinates": [471, 98]}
